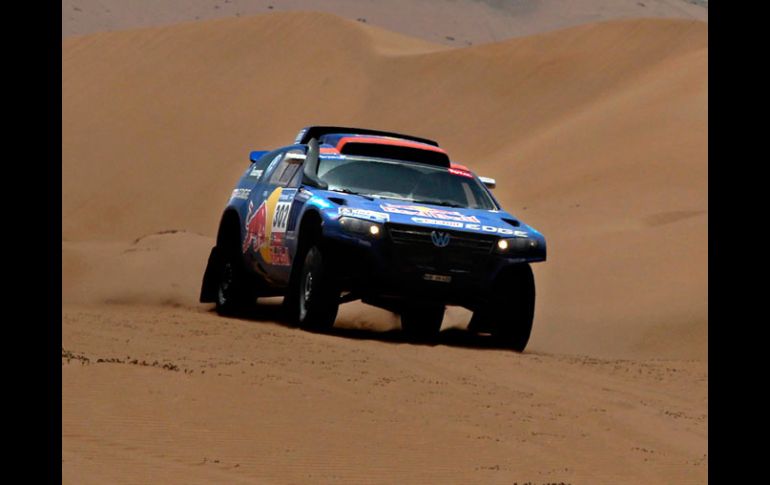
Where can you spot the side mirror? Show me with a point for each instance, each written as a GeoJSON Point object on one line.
{"type": "Point", "coordinates": [489, 182]}
{"type": "Point", "coordinates": [310, 168]}
{"type": "Point", "coordinates": [256, 155]}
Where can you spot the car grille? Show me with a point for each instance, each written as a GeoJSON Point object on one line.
{"type": "Point", "coordinates": [413, 249]}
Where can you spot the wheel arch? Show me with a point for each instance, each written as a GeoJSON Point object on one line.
{"type": "Point", "coordinates": [310, 226]}
{"type": "Point", "coordinates": [229, 232]}
{"type": "Point", "coordinates": [309, 231]}
{"type": "Point", "coordinates": [523, 269]}
{"type": "Point", "coordinates": [228, 237]}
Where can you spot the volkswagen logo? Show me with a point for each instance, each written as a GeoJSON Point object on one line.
{"type": "Point", "coordinates": [440, 239]}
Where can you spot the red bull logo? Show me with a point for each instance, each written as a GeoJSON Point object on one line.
{"type": "Point", "coordinates": [255, 227]}
{"type": "Point", "coordinates": [416, 210]}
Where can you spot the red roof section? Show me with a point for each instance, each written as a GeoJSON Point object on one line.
{"type": "Point", "coordinates": [379, 140]}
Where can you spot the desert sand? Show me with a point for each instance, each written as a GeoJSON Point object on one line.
{"type": "Point", "coordinates": [597, 136]}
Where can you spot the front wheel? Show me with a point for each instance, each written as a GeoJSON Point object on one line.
{"type": "Point", "coordinates": [316, 294]}
{"type": "Point", "coordinates": [422, 323]}
{"type": "Point", "coordinates": [511, 309]}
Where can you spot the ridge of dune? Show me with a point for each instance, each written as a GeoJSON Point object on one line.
{"type": "Point", "coordinates": [597, 135]}
{"type": "Point", "coordinates": [449, 22]}
{"type": "Point", "coordinates": [352, 34]}
{"type": "Point", "coordinates": [137, 93]}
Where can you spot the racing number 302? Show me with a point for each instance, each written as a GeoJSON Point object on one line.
{"type": "Point", "coordinates": [281, 216]}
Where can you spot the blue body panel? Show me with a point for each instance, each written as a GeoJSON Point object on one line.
{"type": "Point", "coordinates": [255, 155]}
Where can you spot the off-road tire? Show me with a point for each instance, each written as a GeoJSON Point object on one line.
{"type": "Point", "coordinates": [510, 310]}
{"type": "Point", "coordinates": [422, 323]}
{"type": "Point", "coordinates": [316, 298]}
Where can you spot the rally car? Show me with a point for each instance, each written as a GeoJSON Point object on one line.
{"type": "Point", "coordinates": [347, 213]}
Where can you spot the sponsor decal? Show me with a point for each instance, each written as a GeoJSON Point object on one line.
{"type": "Point", "coordinates": [279, 253]}
{"type": "Point", "coordinates": [256, 172]}
{"type": "Point", "coordinates": [364, 214]}
{"type": "Point", "coordinates": [266, 227]}
{"type": "Point", "coordinates": [429, 212]}
{"type": "Point", "coordinates": [287, 195]}
{"type": "Point", "coordinates": [332, 156]}
{"type": "Point", "coordinates": [520, 233]}
{"type": "Point", "coordinates": [280, 217]}
{"type": "Point", "coordinates": [436, 222]}
{"type": "Point", "coordinates": [462, 173]}
{"type": "Point", "coordinates": [255, 228]}
{"type": "Point", "coordinates": [460, 225]}
{"type": "Point", "coordinates": [242, 194]}
{"type": "Point", "coordinates": [328, 153]}
{"type": "Point", "coordinates": [277, 207]}
{"type": "Point", "coordinates": [498, 230]}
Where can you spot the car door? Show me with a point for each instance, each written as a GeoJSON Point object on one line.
{"type": "Point", "coordinates": [254, 230]}
{"type": "Point", "coordinates": [267, 245]}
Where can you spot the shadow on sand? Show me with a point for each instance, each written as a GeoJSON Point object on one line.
{"type": "Point", "coordinates": [453, 336]}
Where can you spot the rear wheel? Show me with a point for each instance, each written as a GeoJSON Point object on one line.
{"type": "Point", "coordinates": [316, 297]}
{"type": "Point", "coordinates": [422, 323]}
{"type": "Point", "coordinates": [510, 310]}
{"type": "Point", "coordinates": [234, 294]}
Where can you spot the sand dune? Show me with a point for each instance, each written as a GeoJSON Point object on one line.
{"type": "Point", "coordinates": [451, 22]}
{"type": "Point", "coordinates": [597, 135]}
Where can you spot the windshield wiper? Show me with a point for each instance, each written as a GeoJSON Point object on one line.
{"type": "Point", "coordinates": [351, 192]}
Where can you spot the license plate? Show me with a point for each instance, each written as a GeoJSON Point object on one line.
{"type": "Point", "coordinates": [437, 277]}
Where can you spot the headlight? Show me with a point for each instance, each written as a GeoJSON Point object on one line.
{"type": "Point", "coordinates": [360, 226]}
{"type": "Point", "coordinates": [515, 244]}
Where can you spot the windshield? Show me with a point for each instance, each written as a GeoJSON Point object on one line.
{"type": "Point", "coordinates": [404, 181]}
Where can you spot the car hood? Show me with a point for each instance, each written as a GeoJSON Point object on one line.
{"type": "Point", "coordinates": [430, 215]}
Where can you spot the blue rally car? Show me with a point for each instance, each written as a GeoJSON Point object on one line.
{"type": "Point", "coordinates": [348, 213]}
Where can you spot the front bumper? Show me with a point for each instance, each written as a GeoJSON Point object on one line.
{"type": "Point", "coordinates": [404, 263]}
